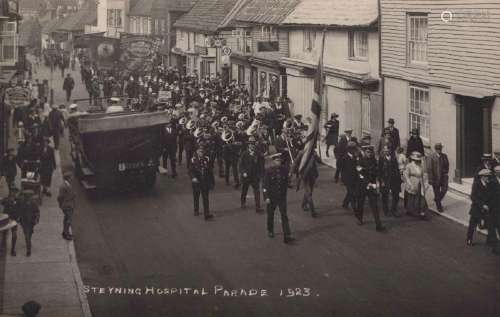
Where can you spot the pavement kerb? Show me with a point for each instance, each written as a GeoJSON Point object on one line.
{"type": "Point", "coordinates": [77, 277]}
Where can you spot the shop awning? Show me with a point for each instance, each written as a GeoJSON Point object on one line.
{"type": "Point", "coordinates": [471, 92]}
{"type": "Point", "coordinates": [85, 40]}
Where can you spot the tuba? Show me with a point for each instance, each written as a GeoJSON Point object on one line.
{"type": "Point", "coordinates": [197, 133]}
{"type": "Point", "coordinates": [227, 136]}
{"type": "Point", "coordinates": [215, 125]}
{"type": "Point", "coordinates": [253, 128]}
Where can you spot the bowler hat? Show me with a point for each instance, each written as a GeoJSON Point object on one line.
{"type": "Point", "coordinates": [391, 120]}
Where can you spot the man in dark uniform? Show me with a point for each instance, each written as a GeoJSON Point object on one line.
{"type": "Point", "coordinates": [340, 151]}
{"type": "Point", "coordinates": [231, 156]}
{"type": "Point", "coordinates": [332, 133]}
{"type": "Point", "coordinates": [47, 166]}
{"type": "Point", "coordinates": [200, 172]}
{"type": "Point", "coordinates": [368, 171]}
{"type": "Point", "coordinates": [11, 208]}
{"type": "Point", "coordinates": [29, 215]}
{"type": "Point", "coordinates": [170, 147]}
{"type": "Point", "coordinates": [181, 134]}
{"type": "Point", "coordinates": [275, 188]}
{"type": "Point", "coordinates": [67, 202]}
{"type": "Point", "coordinates": [483, 198]}
{"type": "Point", "coordinates": [189, 143]}
{"type": "Point", "coordinates": [350, 176]}
{"type": "Point", "coordinates": [390, 181]}
{"type": "Point", "coordinates": [394, 133]}
{"type": "Point", "coordinates": [251, 167]}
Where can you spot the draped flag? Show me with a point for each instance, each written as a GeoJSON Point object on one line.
{"type": "Point", "coordinates": [313, 130]}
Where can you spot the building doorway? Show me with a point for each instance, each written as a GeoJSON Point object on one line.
{"type": "Point", "coordinates": [474, 133]}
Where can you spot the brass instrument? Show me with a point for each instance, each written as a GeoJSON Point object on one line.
{"type": "Point", "coordinates": [227, 136]}
{"type": "Point", "coordinates": [197, 133]}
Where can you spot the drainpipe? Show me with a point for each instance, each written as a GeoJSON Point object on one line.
{"type": "Point", "coordinates": [382, 81]}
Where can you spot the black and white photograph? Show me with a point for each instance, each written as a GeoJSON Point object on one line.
{"type": "Point", "coordinates": [249, 158]}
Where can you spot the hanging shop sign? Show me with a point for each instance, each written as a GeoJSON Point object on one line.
{"type": "Point", "coordinates": [17, 96]}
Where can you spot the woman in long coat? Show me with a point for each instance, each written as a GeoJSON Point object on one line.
{"type": "Point", "coordinates": [414, 183]}
{"type": "Point", "coordinates": [332, 132]}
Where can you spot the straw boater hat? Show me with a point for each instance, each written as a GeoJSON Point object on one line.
{"type": "Point", "coordinates": [6, 223]}
{"type": "Point", "coordinates": [485, 172]}
{"type": "Point", "coordinates": [416, 156]}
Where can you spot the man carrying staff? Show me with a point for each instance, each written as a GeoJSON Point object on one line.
{"type": "Point", "coordinates": [307, 177]}
{"type": "Point", "coordinates": [275, 194]}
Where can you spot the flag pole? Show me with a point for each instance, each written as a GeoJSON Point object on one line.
{"type": "Point", "coordinates": [322, 54]}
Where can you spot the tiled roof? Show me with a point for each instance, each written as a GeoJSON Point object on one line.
{"type": "Point", "coordinates": [206, 15]}
{"type": "Point", "coordinates": [142, 8]}
{"type": "Point", "coordinates": [77, 21]}
{"type": "Point", "coordinates": [180, 5]}
{"type": "Point", "coordinates": [266, 11]}
{"type": "Point", "coordinates": [334, 13]}
{"type": "Point", "coordinates": [29, 33]}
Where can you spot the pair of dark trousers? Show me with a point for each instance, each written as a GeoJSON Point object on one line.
{"type": "Point", "coordinates": [68, 218]}
{"type": "Point", "coordinates": [181, 149]}
{"type": "Point", "coordinates": [169, 154]}
{"type": "Point", "coordinates": [28, 233]}
{"type": "Point", "coordinates": [338, 167]}
{"type": "Point", "coordinates": [372, 200]}
{"type": "Point", "coordinates": [271, 207]}
{"type": "Point", "coordinates": [232, 165]}
{"type": "Point", "coordinates": [307, 201]}
{"type": "Point", "coordinates": [385, 191]}
{"type": "Point", "coordinates": [440, 189]}
{"type": "Point", "coordinates": [220, 163]}
{"type": "Point", "coordinates": [492, 228]}
{"type": "Point", "coordinates": [189, 156]}
{"type": "Point", "coordinates": [56, 135]}
{"type": "Point", "coordinates": [68, 94]}
{"type": "Point", "coordinates": [350, 196]}
{"type": "Point", "coordinates": [256, 191]}
{"type": "Point", "coordinates": [201, 189]}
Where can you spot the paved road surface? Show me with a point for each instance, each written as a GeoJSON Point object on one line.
{"type": "Point", "coordinates": [153, 239]}
{"type": "Point", "coordinates": [140, 240]}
